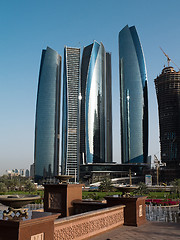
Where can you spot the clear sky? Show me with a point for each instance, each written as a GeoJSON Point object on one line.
{"type": "Point", "coordinates": [27, 27]}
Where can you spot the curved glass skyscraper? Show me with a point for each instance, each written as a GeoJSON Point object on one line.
{"type": "Point", "coordinates": [94, 115]}
{"type": "Point", "coordinates": [133, 98]}
{"type": "Point", "coordinates": [48, 116]}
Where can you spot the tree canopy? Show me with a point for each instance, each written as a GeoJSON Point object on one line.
{"type": "Point", "coordinates": [106, 185]}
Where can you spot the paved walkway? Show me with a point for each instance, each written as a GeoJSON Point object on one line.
{"type": "Point", "coordinates": [148, 231]}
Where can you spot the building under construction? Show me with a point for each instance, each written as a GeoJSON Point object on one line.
{"type": "Point", "coordinates": [168, 95]}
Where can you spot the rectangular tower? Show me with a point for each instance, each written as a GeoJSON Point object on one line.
{"type": "Point", "coordinates": [70, 124]}
{"type": "Point", "coordinates": [108, 156]}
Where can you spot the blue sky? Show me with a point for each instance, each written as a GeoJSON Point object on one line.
{"type": "Point", "coordinates": [27, 27]}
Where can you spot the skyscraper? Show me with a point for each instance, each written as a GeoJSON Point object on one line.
{"type": "Point", "coordinates": [70, 127]}
{"type": "Point", "coordinates": [108, 115]}
{"type": "Point", "coordinates": [133, 98]}
{"type": "Point", "coordinates": [168, 95]}
{"type": "Point", "coordinates": [46, 157]}
{"type": "Point", "coordinates": [96, 119]}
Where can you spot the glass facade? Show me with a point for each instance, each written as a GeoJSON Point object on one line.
{"type": "Point", "coordinates": [133, 98]}
{"type": "Point", "coordinates": [46, 157]}
{"type": "Point", "coordinates": [93, 134]}
{"type": "Point", "coordinates": [112, 170]}
{"type": "Point", "coordinates": [108, 139]}
{"type": "Point", "coordinates": [70, 124]}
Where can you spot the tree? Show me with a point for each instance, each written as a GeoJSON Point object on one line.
{"type": "Point", "coordinates": [176, 186]}
{"type": "Point", "coordinates": [106, 185]}
{"type": "Point", "coordinates": [3, 187]}
{"type": "Point", "coordinates": [7, 182]}
{"type": "Point", "coordinates": [29, 186]}
{"type": "Point", "coordinates": [142, 189]}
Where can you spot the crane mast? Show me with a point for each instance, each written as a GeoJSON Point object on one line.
{"type": "Point", "coordinates": [169, 59]}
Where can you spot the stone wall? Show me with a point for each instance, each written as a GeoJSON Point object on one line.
{"type": "Point", "coordinates": [89, 224]}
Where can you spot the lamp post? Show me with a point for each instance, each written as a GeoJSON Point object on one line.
{"type": "Point", "coordinates": [157, 165]}
{"type": "Point", "coordinates": [130, 177]}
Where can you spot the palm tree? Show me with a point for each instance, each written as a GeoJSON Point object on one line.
{"type": "Point", "coordinates": [106, 185]}
{"type": "Point", "coordinates": [176, 187]}
{"type": "Point", "coordinates": [142, 189]}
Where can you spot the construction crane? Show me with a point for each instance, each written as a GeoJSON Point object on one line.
{"type": "Point", "coordinates": [169, 59]}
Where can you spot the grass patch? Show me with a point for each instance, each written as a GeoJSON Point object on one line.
{"type": "Point", "coordinates": [161, 195]}
{"type": "Point", "coordinates": [97, 195]}
{"type": "Point", "coordinates": [100, 195]}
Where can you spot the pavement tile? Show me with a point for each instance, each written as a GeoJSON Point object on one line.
{"type": "Point", "coordinates": [150, 230]}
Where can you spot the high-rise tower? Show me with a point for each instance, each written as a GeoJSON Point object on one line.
{"type": "Point", "coordinates": [168, 95]}
{"type": "Point", "coordinates": [70, 127]}
{"type": "Point", "coordinates": [46, 157]}
{"type": "Point", "coordinates": [108, 115]}
{"type": "Point", "coordinates": [133, 98]}
{"type": "Point", "coordinates": [96, 119]}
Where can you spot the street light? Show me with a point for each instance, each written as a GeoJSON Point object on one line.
{"type": "Point", "coordinates": [158, 164]}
